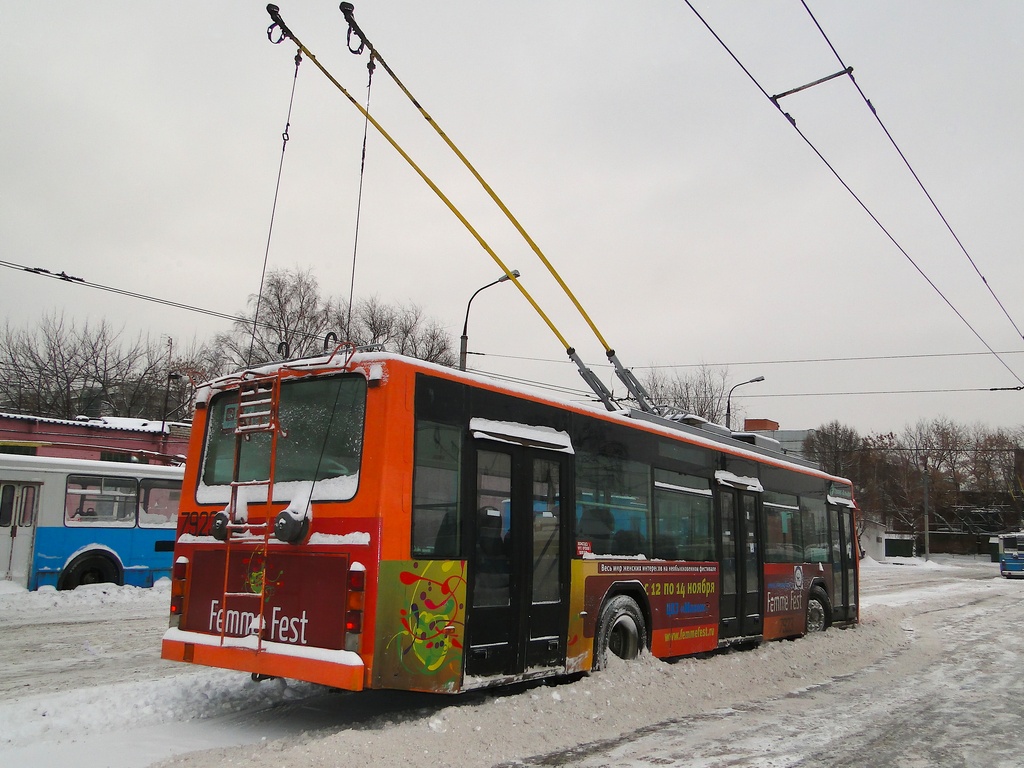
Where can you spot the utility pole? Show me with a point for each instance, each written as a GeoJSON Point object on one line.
{"type": "Point", "coordinates": [924, 479]}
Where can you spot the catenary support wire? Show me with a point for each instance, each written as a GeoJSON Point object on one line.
{"type": "Point", "coordinates": [906, 162]}
{"type": "Point", "coordinates": [370, 66]}
{"type": "Point", "coordinates": [855, 196]}
{"type": "Point", "coordinates": [625, 375]}
{"type": "Point", "coordinates": [278, 32]}
{"type": "Point", "coordinates": [273, 209]}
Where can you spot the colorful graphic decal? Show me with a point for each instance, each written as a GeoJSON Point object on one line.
{"type": "Point", "coordinates": [785, 600]}
{"type": "Point", "coordinates": [421, 624]}
{"type": "Point", "coordinates": [683, 599]}
{"type": "Point", "coordinates": [256, 574]}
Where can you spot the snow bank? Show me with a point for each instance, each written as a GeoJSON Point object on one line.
{"type": "Point", "coordinates": [500, 727]}
{"type": "Point", "coordinates": [159, 709]}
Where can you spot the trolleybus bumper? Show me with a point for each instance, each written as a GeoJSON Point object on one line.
{"type": "Point", "coordinates": [338, 669]}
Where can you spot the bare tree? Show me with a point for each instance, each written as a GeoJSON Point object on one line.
{"type": "Point", "coordinates": [293, 312]}
{"type": "Point", "coordinates": [974, 477]}
{"type": "Point", "coordinates": [702, 393]}
{"type": "Point", "coordinates": [834, 446]}
{"type": "Point", "coordinates": [60, 370]}
{"type": "Point", "coordinates": [288, 312]}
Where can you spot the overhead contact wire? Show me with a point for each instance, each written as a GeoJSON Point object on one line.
{"type": "Point", "coordinates": [480, 179]}
{"type": "Point", "coordinates": [856, 197]}
{"type": "Point", "coordinates": [910, 168]}
{"type": "Point", "coordinates": [273, 211]}
{"type": "Point", "coordinates": [286, 32]}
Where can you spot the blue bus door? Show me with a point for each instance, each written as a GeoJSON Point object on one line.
{"type": "Point", "coordinates": [18, 503]}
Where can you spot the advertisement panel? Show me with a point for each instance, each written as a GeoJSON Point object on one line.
{"type": "Point", "coordinates": [785, 600]}
{"type": "Point", "coordinates": [683, 599]}
{"type": "Point", "coordinates": [305, 598]}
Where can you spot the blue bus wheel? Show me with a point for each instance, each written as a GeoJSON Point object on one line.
{"type": "Point", "coordinates": [91, 569]}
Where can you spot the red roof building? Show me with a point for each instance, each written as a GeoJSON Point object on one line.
{"type": "Point", "coordinates": [105, 438]}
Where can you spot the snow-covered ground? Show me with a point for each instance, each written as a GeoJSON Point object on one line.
{"type": "Point", "coordinates": [921, 681]}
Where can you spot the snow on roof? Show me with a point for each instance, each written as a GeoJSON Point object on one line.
{"type": "Point", "coordinates": [121, 423]}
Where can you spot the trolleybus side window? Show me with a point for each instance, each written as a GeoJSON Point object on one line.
{"type": "Point", "coordinates": [320, 438]}
{"type": "Point", "coordinates": [436, 518]}
{"type": "Point", "coordinates": [93, 500]}
{"type": "Point", "coordinates": [782, 528]}
{"type": "Point", "coordinates": [613, 511]}
{"type": "Point", "coordinates": [158, 503]}
{"type": "Point", "coordinates": [494, 567]}
{"type": "Point", "coordinates": [684, 517]}
{"type": "Point", "coordinates": [814, 523]}
{"type": "Point", "coordinates": [547, 519]}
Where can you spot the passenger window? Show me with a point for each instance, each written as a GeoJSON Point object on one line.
{"type": "Point", "coordinates": [684, 517]}
{"type": "Point", "coordinates": [6, 506]}
{"type": "Point", "coordinates": [28, 506]}
{"type": "Point", "coordinates": [782, 528]}
{"type": "Point", "coordinates": [107, 501]}
{"type": "Point", "coordinates": [814, 525]}
{"type": "Point", "coordinates": [158, 503]}
{"type": "Point", "coordinates": [436, 518]}
{"type": "Point", "coordinates": [613, 512]}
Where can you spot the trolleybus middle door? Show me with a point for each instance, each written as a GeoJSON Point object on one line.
{"type": "Point", "coordinates": [740, 607]}
{"type": "Point", "coordinates": [516, 616]}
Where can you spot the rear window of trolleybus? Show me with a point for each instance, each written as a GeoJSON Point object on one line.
{"type": "Point", "coordinates": [320, 441]}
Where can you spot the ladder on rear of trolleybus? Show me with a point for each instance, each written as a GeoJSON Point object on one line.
{"type": "Point", "coordinates": [256, 413]}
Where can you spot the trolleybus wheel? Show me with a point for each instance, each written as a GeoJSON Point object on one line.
{"type": "Point", "coordinates": [621, 629]}
{"type": "Point", "coordinates": [92, 569]}
{"type": "Point", "coordinates": [818, 611]}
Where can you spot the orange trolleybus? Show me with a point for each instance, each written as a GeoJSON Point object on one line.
{"type": "Point", "coordinates": [365, 520]}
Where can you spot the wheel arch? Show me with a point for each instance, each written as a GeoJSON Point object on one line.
{"type": "Point", "coordinates": [821, 586]}
{"type": "Point", "coordinates": [89, 552]}
{"type": "Point", "coordinates": [636, 591]}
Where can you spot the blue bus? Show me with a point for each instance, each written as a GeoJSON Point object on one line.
{"type": "Point", "coordinates": [68, 522]}
{"type": "Point", "coordinates": [1011, 554]}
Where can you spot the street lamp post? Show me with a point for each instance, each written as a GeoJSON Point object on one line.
{"type": "Point", "coordinates": [463, 346]}
{"type": "Point", "coordinates": [728, 400]}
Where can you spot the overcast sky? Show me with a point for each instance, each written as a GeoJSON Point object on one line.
{"type": "Point", "coordinates": [141, 141]}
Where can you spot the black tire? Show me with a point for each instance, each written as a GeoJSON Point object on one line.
{"type": "Point", "coordinates": [621, 630]}
{"type": "Point", "coordinates": [819, 611]}
{"type": "Point", "coordinates": [90, 569]}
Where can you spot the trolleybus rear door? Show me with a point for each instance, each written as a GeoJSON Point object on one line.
{"type": "Point", "coordinates": [517, 582]}
{"type": "Point", "coordinates": [740, 564]}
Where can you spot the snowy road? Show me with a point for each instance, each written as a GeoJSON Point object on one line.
{"type": "Point", "coordinates": [950, 699]}
{"type": "Point", "coordinates": [915, 684]}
